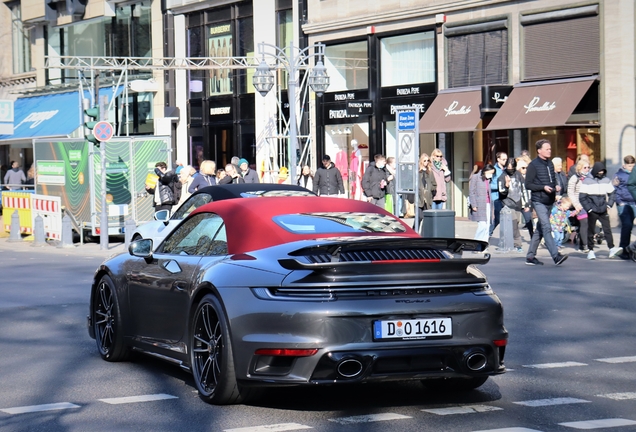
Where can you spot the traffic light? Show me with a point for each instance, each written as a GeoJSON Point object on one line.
{"type": "Point", "coordinates": [92, 118]}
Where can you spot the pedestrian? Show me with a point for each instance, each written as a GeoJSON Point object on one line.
{"type": "Point", "coordinates": [481, 209]}
{"type": "Point", "coordinates": [185, 178]}
{"type": "Point", "coordinates": [206, 176]}
{"type": "Point", "coordinates": [375, 180]}
{"type": "Point", "coordinates": [220, 174]}
{"type": "Point", "coordinates": [248, 174]}
{"type": "Point", "coordinates": [626, 205]}
{"type": "Point", "coordinates": [30, 177]}
{"type": "Point", "coordinates": [442, 176]}
{"type": "Point", "coordinates": [14, 178]}
{"type": "Point", "coordinates": [526, 202]}
{"type": "Point", "coordinates": [510, 193]}
{"type": "Point", "coordinates": [328, 180]}
{"type": "Point", "coordinates": [559, 220]}
{"type": "Point", "coordinates": [541, 181]}
{"type": "Point", "coordinates": [425, 187]}
{"type": "Point", "coordinates": [581, 172]}
{"type": "Point", "coordinates": [163, 191]}
{"type": "Point", "coordinates": [389, 205]}
{"type": "Point", "coordinates": [561, 178]}
{"type": "Point", "coordinates": [631, 187]}
{"type": "Point", "coordinates": [572, 171]}
{"type": "Point", "coordinates": [500, 167]}
{"type": "Point", "coordinates": [306, 178]}
{"type": "Point", "coordinates": [597, 196]}
{"type": "Point", "coordinates": [232, 175]}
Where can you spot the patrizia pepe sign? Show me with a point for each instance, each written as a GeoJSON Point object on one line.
{"type": "Point", "coordinates": [452, 109]}
{"type": "Point", "coordinates": [534, 106]}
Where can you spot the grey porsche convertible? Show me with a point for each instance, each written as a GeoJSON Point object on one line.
{"type": "Point", "coordinates": [248, 293]}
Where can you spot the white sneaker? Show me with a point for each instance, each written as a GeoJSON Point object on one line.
{"type": "Point", "coordinates": [591, 255]}
{"type": "Point", "coordinates": [615, 251]}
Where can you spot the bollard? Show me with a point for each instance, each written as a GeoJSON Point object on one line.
{"type": "Point", "coordinates": [438, 223]}
{"type": "Point", "coordinates": [15, 235]}
{"type": "Point", "coordinates": [67, 233]}
{"type": "Point", "coordinates": [506, 239]}
{"type": "Point", "coordinates": [39, 239]}
{"type": "Point", "coordinates": [129, 229]}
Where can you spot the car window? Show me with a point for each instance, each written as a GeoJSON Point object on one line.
{"type": "Point", "coordinates": [194, 236]}
{"type": "Point", "coordinates": [191, 204]}
{"type": "Point", "coordinates": [338, 222]}
{"type": "Point", "coordinates": [219, 244]}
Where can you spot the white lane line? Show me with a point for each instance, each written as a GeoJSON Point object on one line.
{"type": "Point", "coordinates": [554, 365]}
{"type": "Point", "coordinates": [135, 399]}
{"type": "Point", "coordinates": [38, 408]}
{"type": "Point", "coordinates": [465, 409]}
{"type": "Point", "coordinates": [553, 401]}
{"type": "Point", "coordinates": [619, 396]}
{"type": "Point", "coordinates": [271, 428]}
{"type": "Point", "coordinates": [599, 424]}
{"type": "Point", "coordinates": [511, 429]}
{"type": "Point", "coordinates": [618, 359]}
{"type": "Point", "coordinates": [369, 418]}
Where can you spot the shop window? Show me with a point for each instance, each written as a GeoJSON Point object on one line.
{"type": "Point", "coordinates": [408, 59]}
{"type": "Point", "coordinates": [131, 31]}
{"type": "Point", "coordinates": [220, 45]}
{"type": "Point", "coordinates": [245, 49]}
{"type": "Point", "coordinates": [21, 41]}
{"type": "Point", "coordinates": [139, 117]}
{"type": "Point", "coordinates": [568, 142]}
{"type": "Point", "coordinates": [347, 66]}
{"type": "Point", "coordinates": [477, 59]}
{"type": "Point", "coordinates": [195, 49]}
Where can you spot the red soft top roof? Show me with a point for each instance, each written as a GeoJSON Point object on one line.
{"type": "Point", "coordinates": [250, 227]}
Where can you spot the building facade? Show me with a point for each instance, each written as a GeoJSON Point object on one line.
{"type": "Point", "coordinates": [489, 76]}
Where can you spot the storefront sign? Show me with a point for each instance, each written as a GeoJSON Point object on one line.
{"type": "Point", "coordinates": [454, 110]}
{"type": "Point", "coordinates": [220, 111]}
{"type": "Point", "coordinates": [345, 96]}
{"type": "Point", "coordinates": [493, 97]}
{"type": "Point", "coordinates": [358, 108]}
{"type": "Point", "coordinates": [534, 106]}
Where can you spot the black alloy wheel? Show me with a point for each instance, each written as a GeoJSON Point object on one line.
{"type": "Point", "coordinates": [211, 355]}
{"type": "Point", "coordinates": [107, 322]}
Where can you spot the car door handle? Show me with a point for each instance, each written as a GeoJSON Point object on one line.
{"type": "Point", "coordinates": [180, 285]}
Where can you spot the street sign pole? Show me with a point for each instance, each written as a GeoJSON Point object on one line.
{"type": "Point", "coordinates": [407, 149]}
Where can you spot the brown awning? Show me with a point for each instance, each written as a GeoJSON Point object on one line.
{"type": "Point", "coordinates": [540, 105]}
{"type": "Point", "coordinates": [452, 112]}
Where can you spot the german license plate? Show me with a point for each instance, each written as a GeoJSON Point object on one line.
{"type": "Point", "coordinates": [410, 329]}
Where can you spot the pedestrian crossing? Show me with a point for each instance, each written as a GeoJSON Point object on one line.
{"type": "Point", "coordinates": [393, 418]}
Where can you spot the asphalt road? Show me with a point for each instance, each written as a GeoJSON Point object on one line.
{"type": "Point", "coordinates": [571, 360]}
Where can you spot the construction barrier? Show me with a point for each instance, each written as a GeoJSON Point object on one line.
{"type": "Point", "coordinates": [20, 201]}
{"type": "Point", "coordinates": [49, 208]}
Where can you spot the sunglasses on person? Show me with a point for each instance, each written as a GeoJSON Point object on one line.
{"type": "Point", "coordinates": [523, 167]}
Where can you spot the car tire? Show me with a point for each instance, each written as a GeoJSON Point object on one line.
{"type": "Point", "coordinates": [211, 355]}
{"type": "Point", "coordinates": [454, 384]}
{"type": "Point", "coordinates": [107, 322]}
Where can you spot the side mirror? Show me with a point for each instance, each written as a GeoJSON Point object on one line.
{"type": "Point", "coordinates": [162, 215]}
{"type": "Point", "coordinates": [141, 248]}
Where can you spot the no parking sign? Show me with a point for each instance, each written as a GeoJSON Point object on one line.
{"type": "Point", "coordinates": [103, 131]}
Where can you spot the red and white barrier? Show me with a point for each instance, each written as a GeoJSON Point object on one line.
{"type": "Point", "coordinates": [49, 208]}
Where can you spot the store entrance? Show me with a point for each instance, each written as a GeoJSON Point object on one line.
{"type": "Point", "coordinates": [220, 142]}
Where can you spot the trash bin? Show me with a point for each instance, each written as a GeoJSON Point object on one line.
{"type": "Point", "coordinates": [438, 224]}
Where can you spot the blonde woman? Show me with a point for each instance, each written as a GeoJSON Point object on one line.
{"type": "Point", "coordinates": [442, 176]}
{"type": "Point", "coordinates": [186, 178]}
{"type": "Point", "coordinates": [206, 177]}
{"type": "Point", "coordinates": [426, 185]}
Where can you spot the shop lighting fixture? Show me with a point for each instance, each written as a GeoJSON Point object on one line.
{"type": "Point", "coordinates": [347, 130]}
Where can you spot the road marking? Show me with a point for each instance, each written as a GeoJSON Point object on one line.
{"type": "Point", "coordinates": [38, 408]}
{"type": "Point", "coordinates": [369, 418]}
{"type": "Point", "coordinates": [271, 428]}
{"type": "Point", "coordinates": [618, 359]}
{"type": "Point", "coordinates": [511, 429]}
{"type": "Point", "coordinates": [465, 409]}
{"type": "Point", "coordinates": [619, 396]}
{"type": "Point", "coordinates": [555, 365]}
{"type": "Point", "coordinates": [548, 402]}
{"type": "Point", "coordinates": [135, 399]}
{"type": "Point", "coordinates": [599, 424]}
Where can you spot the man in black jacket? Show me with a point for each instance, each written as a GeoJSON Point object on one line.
{"type": "Point", "coordinates": [328, 180]}
{"type": "Point", "coordinates": [541, 181]}
{"type": "Point", "coordinates": [375, 180]}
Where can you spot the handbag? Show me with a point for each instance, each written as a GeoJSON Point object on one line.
{"type": "Point", "coordinates": [581, 215]}
{"type": "Point", "coordinates": [166, 196]}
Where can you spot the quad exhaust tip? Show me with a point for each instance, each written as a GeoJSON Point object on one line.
{"type": "Point", "coordinates": [349, 368]}
{"type": "Point", "coordinates": [476, 361]}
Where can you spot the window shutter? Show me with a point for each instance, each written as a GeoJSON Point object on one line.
{"type": "Point", "coordinates": [477, 59]}
{"type": "Point", "coordinates": [559, 49]}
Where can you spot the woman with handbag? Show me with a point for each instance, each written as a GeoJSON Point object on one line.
{"type": "Point", "coordinates": [482, 209]}
{"type": "Point", "coordinates": [574, 185]}
{"type": "Point", "coordinates": [163, 192]}
{"type": "Point", "coordinates": [427, 183]}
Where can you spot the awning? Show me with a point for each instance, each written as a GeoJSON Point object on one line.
{"type": "Point", "coordinates": [452, 111]}
{"type": "Point", "coordinates": [54, 115]}
{"type": "Point", "coordinates": [540, 105]}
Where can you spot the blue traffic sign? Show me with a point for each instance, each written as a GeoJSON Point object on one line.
{"type": "Point", "coordinates": [103, 131]}
{"type": "Point", "coordinates": [406, 120]}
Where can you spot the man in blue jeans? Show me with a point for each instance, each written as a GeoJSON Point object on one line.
{"type": "Point", "coordinates": [541, 181]}
{"type": "Point", "coordinates": [625, 202]}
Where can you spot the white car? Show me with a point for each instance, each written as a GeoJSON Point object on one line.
{"type": "Point", "coordinates": [163, 224]}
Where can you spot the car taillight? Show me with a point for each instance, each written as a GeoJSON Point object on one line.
{"type": "Point", "coordinates": [500, 342]}
{"type": "Point", "coordinates": [286, 352]}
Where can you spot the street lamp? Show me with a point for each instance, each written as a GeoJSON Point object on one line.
{"type": "Point", "coordinates": [294, 60]}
